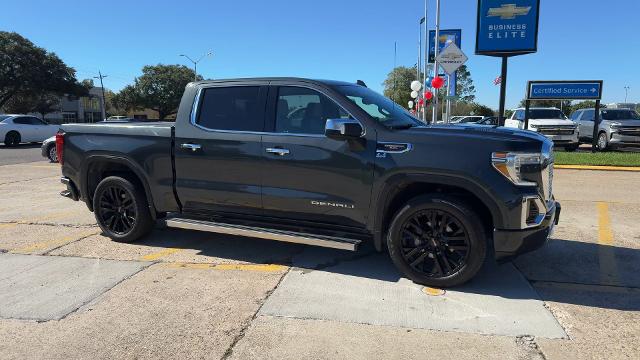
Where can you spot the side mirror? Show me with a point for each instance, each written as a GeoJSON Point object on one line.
{"type": "Point", "coordinates": [341, 129]}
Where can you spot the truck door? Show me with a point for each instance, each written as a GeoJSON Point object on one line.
{"type": "Point", "coordinates": [218, 153]}
{"type": "Point", "coordinates": [308, 176]}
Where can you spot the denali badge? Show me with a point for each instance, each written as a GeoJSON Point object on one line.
{"type": "Point", "coordinates": [333, 204]}
{"type": "Point", "coordinates": [391, 148]}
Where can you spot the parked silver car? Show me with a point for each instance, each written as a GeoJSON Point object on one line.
{"type": "Point", "coordinates": [49, 149]}
{"type": "Point", "coordinates": [618, 128]}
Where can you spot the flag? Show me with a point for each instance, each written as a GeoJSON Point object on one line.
{"type": "Point", "coordinates": [497, 80]}
{"type": "Point", "coordinates": [422, 20]}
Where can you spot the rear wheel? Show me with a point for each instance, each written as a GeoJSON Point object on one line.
{"type": "Point", "coordinates": [12, 138]}
{"type": "Point", "coordinates": [437, 240]}
{"type": "Point", "coordinates": [121, 209]}
{"type": "Point", "coordinates": [52, 154]}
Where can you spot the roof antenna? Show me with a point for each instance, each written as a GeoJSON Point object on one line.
{"type": "Point", "coordinates": [361, 83]}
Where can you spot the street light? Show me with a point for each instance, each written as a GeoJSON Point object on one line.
{"type": "Point", "coordinates": [195, 63]}
{"type": "Point", "coordinates": [626, 93]}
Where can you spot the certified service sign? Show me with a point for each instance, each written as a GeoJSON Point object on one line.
{"type": "Point", "coordinates": [507, 27]}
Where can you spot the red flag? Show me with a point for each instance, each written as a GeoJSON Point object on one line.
{"type": "Point", "coordinates": [498, 80]}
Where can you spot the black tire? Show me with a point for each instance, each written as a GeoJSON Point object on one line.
{"type": "Point", "coordinates": [603, 141]}
{"type": "Point", "coordinates": [12, 138]}
{"type": "Point", "coordinates": [52, 153]}
{"type": "Point", "coordinates": [462, 246]}
{"type": "Point", "coordinates": [121, 209]}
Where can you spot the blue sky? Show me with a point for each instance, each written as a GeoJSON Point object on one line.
{"type": "Point", "coordinates": [332, 39]}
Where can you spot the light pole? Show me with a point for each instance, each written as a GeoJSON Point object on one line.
{"type": "Point", "coordinates": [104, 100]}
{"type": "Point", "coordinates": [626, 93]}
{"type": "Point", "coordinates": [195, 63]}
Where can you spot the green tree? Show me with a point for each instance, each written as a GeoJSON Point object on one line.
{"type": "Point", "coordinates": [42, 104]}
{"type": "Point", "coordinates": [465, 89]}
{"type": "Point", "coordinates": [397, 85]}
{"type": "Point", "coordinates": [159, 88]}
{"type": "Point", "coordinates": [29, 71]}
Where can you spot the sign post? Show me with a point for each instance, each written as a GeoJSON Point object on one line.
{"type": "Point", "coordinates": [566, 90]}
{"type": "Point", "coordinates": [507, 28]}
{"type": "Point", "coordinates": [450, 59]}
{"type": "Point", "coordinates": [443, 38]}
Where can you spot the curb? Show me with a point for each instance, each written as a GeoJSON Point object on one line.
{"type": "Point", "coordinates": [598, 167]}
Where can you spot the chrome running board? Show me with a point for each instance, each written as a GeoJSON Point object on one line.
{"type": "Point", "coordinates": [264, 233]}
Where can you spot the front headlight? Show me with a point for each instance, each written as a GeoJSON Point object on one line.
{"type": "Point", "coordinates": [511, 165]}
{"type": "Point", "coordinates": [533, 126]}
{"type": "Point", "coordinates": [615, 125]}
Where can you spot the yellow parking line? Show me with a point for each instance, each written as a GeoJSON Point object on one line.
{"type": "Point", "coordinates": [53, 243]}
{"type": "Point", "coordinates": [237, 267]}
{"type": "Point", "coordinates": [160, 254]}
{"type": "Point", "coordinates": [606, 254]}
{"type": "Point", "coordinates": [7, 225]}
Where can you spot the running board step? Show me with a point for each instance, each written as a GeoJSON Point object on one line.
{"type": "Point", "coordinates": [263, 233]}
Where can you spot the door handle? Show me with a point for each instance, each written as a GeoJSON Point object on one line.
{"type": "Point", "coordinates": [192, 147]}
{"type": "Point", "coordinates": [278, 151]}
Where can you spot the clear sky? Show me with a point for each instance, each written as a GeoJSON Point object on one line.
{"type": "Point", "coordinates": [330, 39]}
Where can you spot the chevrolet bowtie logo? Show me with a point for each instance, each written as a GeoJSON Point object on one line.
{"type": "Point", "coordinates": [509, 11]}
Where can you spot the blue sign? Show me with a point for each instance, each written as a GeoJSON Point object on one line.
{"type": "Point", "coordinates": [507, 27]}
{"type": "Point", "coordinates": [560, 90]}
{"type": "Point", "coordinates": [446, 37]}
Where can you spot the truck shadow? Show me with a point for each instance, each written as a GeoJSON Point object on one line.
{"type": "Point", "coordinates": [563, 271]}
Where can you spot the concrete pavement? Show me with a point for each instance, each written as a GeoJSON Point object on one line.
{"type": "Point", "coordinates": [202, 295]}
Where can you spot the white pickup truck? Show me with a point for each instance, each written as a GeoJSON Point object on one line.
{"type": "Point", "coordinates": [550, 122]}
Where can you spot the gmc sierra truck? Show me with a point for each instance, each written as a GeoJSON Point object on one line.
{"type": "Point", "coordinates": [322, 163]}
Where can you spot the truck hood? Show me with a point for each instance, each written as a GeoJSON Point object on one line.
{"type": "Point", "coordinates": [551, 122]}
{"type": "Point", "coordinates": [474, 130]}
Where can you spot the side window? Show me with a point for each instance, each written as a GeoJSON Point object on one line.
{"type": "Point", "coordinates": [304, 111]}
{"type": "Point", "coordinates": [231, 108]}
{"type": "Point", "coordinates": [35, 121]}
{"type": "Point", "coordinates": [589, 115]}
{"type": "Point", "coordinates": [22, 121]}
{"type": "Point", "coordinates": [576, 115]}
{"type": "Point", "coordinates": [519, 115]}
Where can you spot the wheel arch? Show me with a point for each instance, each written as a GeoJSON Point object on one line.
{"type": "Point", "coordinates": [98, 167]}
{"type": "Point", "coordinates": [397, 190]}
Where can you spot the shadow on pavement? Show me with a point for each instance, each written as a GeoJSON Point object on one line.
{"type": "Point", "coordinates": [563, 271]}
{"type": "Point", "coordinates": [21, 146]}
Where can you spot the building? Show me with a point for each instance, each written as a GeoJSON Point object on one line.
{"type": "Point", "coordinates": [630, 106]}
{"type": "Point", "coordinates": [78, 109]}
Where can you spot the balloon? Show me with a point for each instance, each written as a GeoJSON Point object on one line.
{"type": "Point", "coordinates": [410, 104]}
{"type": "Point", "coordinates": [414, 94]}
{"type": "Point", "coordinates": [421, 102]}
{"type": "Point", "coordinates": [429, 80]}
{"type": "Point", "coordinates": [428, 95]}
{"type": "Point", "coordinates": [415, 85]}
{"type": "Point", "coordinates": [437, 82]}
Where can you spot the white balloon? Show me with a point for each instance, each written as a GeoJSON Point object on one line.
{"type": "Point", "coordinates": [411, 104]}
{"type": "Point", "coordinates": [416, 85]}
{"type": "Point", "coordinates": [414, 94]}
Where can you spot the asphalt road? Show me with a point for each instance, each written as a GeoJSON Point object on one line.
{"type": "Point", "coordinates": [23, 153]}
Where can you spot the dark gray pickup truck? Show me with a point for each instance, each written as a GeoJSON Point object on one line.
{"type": "Point", "coordinates": [322, 163]}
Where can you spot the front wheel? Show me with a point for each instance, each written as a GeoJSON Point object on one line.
{"type": "Point", "coordinates": [121, 209]}
{"type": "Point", "coordinates": [437, 240]}
{"type": "Point", "coordinates": [603, 141]}
{"type": "Point", "coordinates": [52, 154]}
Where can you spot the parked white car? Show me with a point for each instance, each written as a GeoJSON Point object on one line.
{"type": "Point", "coordinates": [16, 129]}
{"type": "Point", "coordinates": [550, 122]}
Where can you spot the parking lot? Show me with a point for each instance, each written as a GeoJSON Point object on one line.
{"type": "Point", "coordinates": [68, 292]}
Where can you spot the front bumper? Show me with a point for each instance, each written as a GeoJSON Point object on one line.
{"type": "Point", "coordinates": [622, 140]}
{"type": "Point", "coordinates": [510, 243]}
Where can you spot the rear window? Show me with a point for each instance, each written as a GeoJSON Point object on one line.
{"type": "Point", "coordinates": [231, 108]}
{"type": "Point", "coordinates": [620, 115]}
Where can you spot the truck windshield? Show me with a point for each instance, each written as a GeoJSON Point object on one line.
{"type": "Point", "coordinates": [620, 115]}
{"type": "Point", "coordinates": [379, 107]}
{"type": "Point", "coordinates": [546, 114]}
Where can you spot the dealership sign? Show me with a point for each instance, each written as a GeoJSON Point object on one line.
{"type": "Point", "coordinates": [561, 90]}
{"type": "Point", "coordinates": [446, 37]}
{"type": "Point", "coordinates": [451, 58]}
{"type": "Point", "coordinates": [507, 27]}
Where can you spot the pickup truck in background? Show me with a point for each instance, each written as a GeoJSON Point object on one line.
{"type": "Point", "coordinates": [323, 163]}
{"type": "Point", "coordinates": [550, 122]}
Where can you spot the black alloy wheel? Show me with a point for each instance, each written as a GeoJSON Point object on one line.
{"type": "Point", "coordinates": [117, 209]}
{"type": "Point", "coordinates": [437, 240]}
{"type": "Point", "coordinates": [121, 209]}
{"type": "Point", "coordinates": [434, 243]}
{"type": "Point", "coordinates": [12, 139]}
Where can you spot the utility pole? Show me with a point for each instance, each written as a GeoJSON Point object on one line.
{"type": "Point", "coordinates": [435, 60]}
{"type": "Point", "coordinates": [104, 101]}
{"type": "Point", "coordinates": [626, 93]}
{"type": "Point", "coordinates": [195, 63]}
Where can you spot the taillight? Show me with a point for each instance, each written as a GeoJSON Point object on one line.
{"type": "Point", "coordinates": [60, 146]}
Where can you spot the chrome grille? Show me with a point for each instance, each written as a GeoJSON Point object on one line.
{"type": "Point", "coordinates": [630, 131]}
{"type": "Point", "coordinates": [556, 130]}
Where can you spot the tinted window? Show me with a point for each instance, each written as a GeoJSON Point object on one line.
{"type": "Point", "coordinates": [619, 115]}
{"type": "Point", "coordinates": [36, 121]}
{"type": "Point", "coordinates": [304, 111]}
{"type": "Point", "coordinates": [231, 108]}
{"type": "Point", "coordinates": [589, 115]}
{"type": "Point", "coordinates": [576, 115]}
{"type": "Point", "coordinates": [519, 115]}
{"type": "Point", "coordinates": [22, 121]}
{"type": "Point", "coordinates": [379, 107]}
